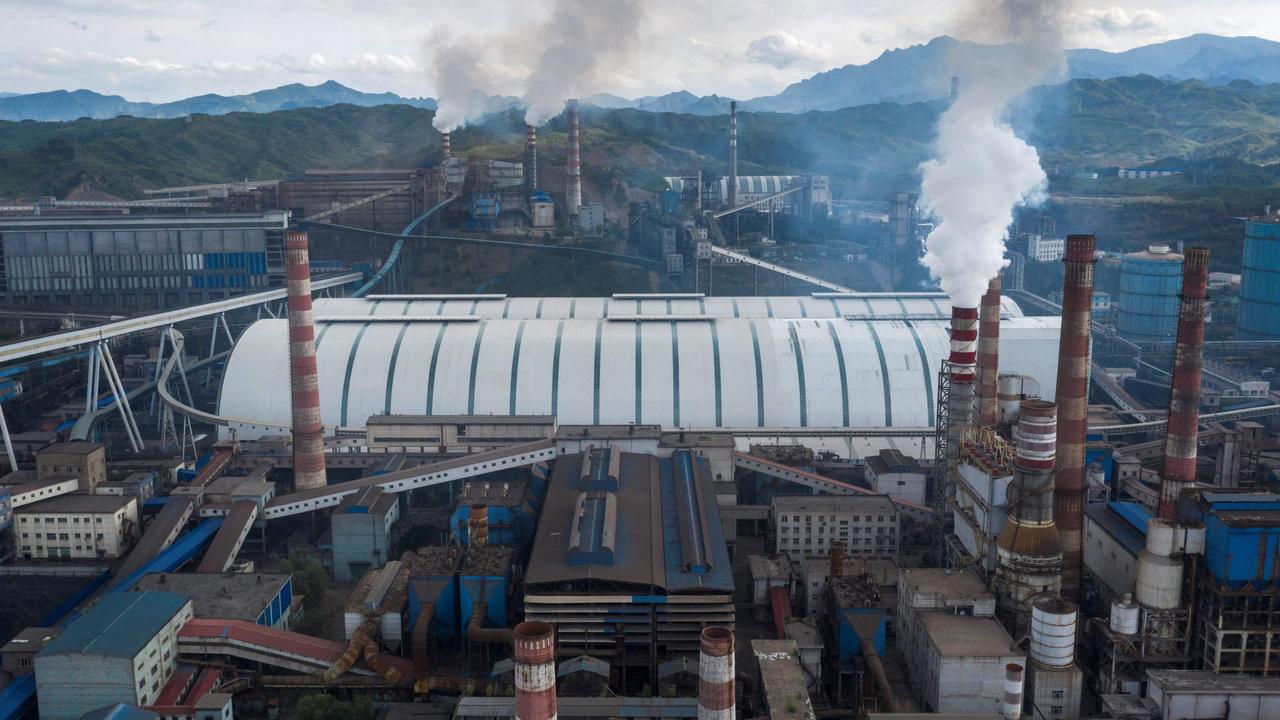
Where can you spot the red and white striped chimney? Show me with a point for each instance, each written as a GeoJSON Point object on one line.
{"type": "Point", "coordinates": [446, 145]}
{"type": "Point", "coordinates": [1179, 469]}
{"type": "Point", "coordinates": [308, 431]}
{"type": "Point", "coordinates": [531, 158]}
{"type": "Point", "coordinates": [573, 186]}
{"type": "Point", "coordinates": [1011, 705]}
{"type": "Point", "coordinates": [733, 153]}
{"type": "Point", "coordinates": [989, 355]}
{"type": "Point", "coordinates": [1073, 406]}
{"type": "Point", "coordinates": [716, 699]}
{"type": "Point", "coordinates": [535, 668]}
{"type": "Point", "coordinates": [964, 351]}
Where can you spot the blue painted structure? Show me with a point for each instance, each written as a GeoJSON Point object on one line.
{"type": "Point", "coordinates": [18, 697]}
{"type": "Point", "coordinates": [182, 551]}
{"type": "Point", "coordinates": [1242, 537]}
{"type": "Point", "coordinates": [1149, 287]}
{"type": "Point", "coordinates": [483, 211]}
{"type": "Point", "coordinates": [508, 524]}
{"type": "Point", "coordinates": [670, 201]}
{"type": "Point", "coordinates": [1259, 317]}
{"type": "Point", "coordinates": [118, 624]}
{"type": "Point", "coordinates": [6, 509]}
{"type": "Point", "coordinates": [850, 641]}
{"type": "Point", "coordinates": [455, 597]}
{"type": "Point", "coordinates": [705, 563]}
{"type": "Point", "coordinates": [279, 607]}
{"type": "Point", "coordinates": [1133, 513]}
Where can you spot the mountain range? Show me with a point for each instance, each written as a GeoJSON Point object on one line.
{"type": "Point", "coordinates": [905, 75]}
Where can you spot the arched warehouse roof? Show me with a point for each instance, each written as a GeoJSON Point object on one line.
{"type": "Point", "coordinates": [693, 373]}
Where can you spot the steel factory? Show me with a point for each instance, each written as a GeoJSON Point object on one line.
{"type": "Point", "coordinates": [259, 469]}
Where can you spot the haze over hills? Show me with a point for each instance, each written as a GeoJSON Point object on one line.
{"type": "Point", "coordinates": [912, 74]}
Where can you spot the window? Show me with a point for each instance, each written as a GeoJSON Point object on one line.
{"type": "Point", "coordinates": [1057, 694]}
{"type": "Point", "coordinates": [1056, 711]}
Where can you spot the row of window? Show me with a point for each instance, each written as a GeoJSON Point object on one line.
{"type": "Point", "coordinates": [63, 536]}
{"type": "Point", "coordinates": [52, 520]}
{"type": "Point", "coordinates": [844, 532]}
{"type": "Point", "coordinates": [832, 518]}
{"type": "Point", "coordinates": [855, 541]}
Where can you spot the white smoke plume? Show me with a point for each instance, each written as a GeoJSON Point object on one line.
{"type": "Point", "coordinates": [461, 79]}
{"type": "Point", "coordinates": [981, 169]}
{"type": "Point", "coordinates": [581, 42]}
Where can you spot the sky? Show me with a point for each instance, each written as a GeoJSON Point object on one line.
{"type": "Point", "coordinates": [161, 51]}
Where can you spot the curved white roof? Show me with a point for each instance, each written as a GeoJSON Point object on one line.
{"type": "Point", "coordinates": [694, 373]}
{"type": "Point", "coordinates": [821, 305]}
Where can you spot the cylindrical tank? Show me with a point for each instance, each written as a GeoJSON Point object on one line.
{"type": "Point", "coordinates": [1163, 537]}
{"type": "Point", "coordinates": [1053, 631]}
{"type": "Point", "coordinates": [1011, 389]}
{"type": "Point", "coordinates": [716, 694]}
{"type": "Point", "coordinates": [1011, 706]}
{"type": "Point", "coordinates": [1149, 285]}
{"type": "Point", "coordinates": [1159, 581]}
{"type": "Point", "coordinates": [1124, 616]}
{"type": "Point", "coordinates": [1259, 289]}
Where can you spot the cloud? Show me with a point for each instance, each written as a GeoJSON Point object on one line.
{"type": "Point", "coordinates": [1118, 21]}
{"type": "Point", "coordinates": [151, 36]}
{"type": "Point", "coordinates": [781, 49]}
{"type": "Point", "coordinates": [209, 27]}
{"type": "Point", "coordinates": [316, 63]}
{"type": "Point", "coordinates": [79, 25]}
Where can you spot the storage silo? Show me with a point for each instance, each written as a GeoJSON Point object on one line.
{"type": "Point", "coordinates": [1149, 285]}
{"type": "Point", "coordinates": [1260, 280]}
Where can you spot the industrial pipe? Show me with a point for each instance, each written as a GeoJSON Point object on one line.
{"type": "Point", "coordinates": [446, 145]}
{"type": "Point", "coordinates": [733, 153]}
{"type": "Point", "coordinates": [530, 158]}
{"type": "Point", "coordinates": [573, 171]}
{"type": "Point", "coordinates": [1179, 468]}
{"type": "Point", "coordinates": [1073, 406]}
{"type": "Point", "coordinates": [477, 632]}
{"type": "Point", "coordinates": [535, 670]}
{"type": "Point", "coordinates": [308, 431]}
{"type": "Point", "coordinates": [716, 699]}
{"type": "Point", "coordinates": [989, 355]}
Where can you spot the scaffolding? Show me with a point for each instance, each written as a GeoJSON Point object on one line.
{"type": "Point", "coordinates": [1239, 629]}
{"type": "Point", "coordinates": [1164, 641]}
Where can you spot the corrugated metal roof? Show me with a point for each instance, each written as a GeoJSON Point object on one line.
{"type": "Point", "coordinates": [118, 625]}
{"type": "Point", "coordinates": [727, 373]}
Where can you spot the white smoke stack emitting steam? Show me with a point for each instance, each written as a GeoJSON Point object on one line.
{"type": "Point", "coordinates": [981, 169]}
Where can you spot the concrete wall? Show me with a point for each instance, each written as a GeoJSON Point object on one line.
{"type": "Point", "coordinates": [1054, 693]}
{"type": "Point", "coordinates": [360, 542]}
{"type": "Point", "coordinates": [966, 684]}
{"type": "Point", "coordinates": [88, 534]}
{"type": "Point", "coordinates": [1109, 561]}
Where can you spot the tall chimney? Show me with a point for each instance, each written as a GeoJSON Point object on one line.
{"type": "Point", "coordinates": [1011, 706]}
{"type": "Point", "coordinates": [446, 145]}
{"type": "Point", "coordinates": [837, 559]}
{"type": "Point", "coordinates": [716, 699]}
{"type": "Point", "coordinates": [964, 350]}
{"type": "Point", "coordinates": [531, 158]}
{"type": "Point", "coordinates": [1179, 468]}
{"type": "Point", "coordinates": [308, 431]}
{"type": "Point", "coordinates": [573, 186]}
{"type": "Point", "coordinates": [1029, 547]}
{"type": "Point", "coordinates": [733, 153]}
{"type": "Point", "coordinates": [989, 355]}
{"type": "Point", "coordinates": [1073, 406]}
{"type": "Point", "coordinates": [534, 656]}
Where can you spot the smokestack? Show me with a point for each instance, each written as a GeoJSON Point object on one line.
{"type": "Point", "coordinates": [1179, 468]}
{"type": "Point", "coordinates": [1073, 405]}
{"type": "Point", "coordinates": [716, 675]}
{"type": "Point", "coordinates": [1011, 707]}
{"type": "Point", "coordinates": [534, 656]}
{"type": "Point", "coordinates": [446, 145]}
{"type": "Point", "coordinates": [531, 158]}
{"type": "Point", "coordinates": [837, 559]}
{"type": "Point", "coordinates": [573, 187]}
{"type": "Point", "coordinates": [308, 431]}
{"type": "Point", "coordinates": [964, 350]}
{"type": "Point", "coordinates": [989, 355]}
{"type": "Point", "coordinates": [478, 525]}
{"type": "Point", "coordinates": [1029, 548]}
{"type": "Point", "coordinates": [733, 153]}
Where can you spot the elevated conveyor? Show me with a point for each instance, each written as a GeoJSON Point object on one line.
{"type": "Point", "coordinates": [159, 535]}
{"type": "Point", "coordinates": [823, 484]}
{"type": "Point", "coordinates": [772, 267]}
{"type": "Point", "coordinates": [417, 477]}
{"type": "Point", "coordinates": [245, 640]}
{"type": "Point", "coordinates": [230, 538]}
{"type": "Point", "coordinates": [182, 551]}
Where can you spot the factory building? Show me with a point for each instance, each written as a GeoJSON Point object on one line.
{"type": "Point", "coordinates": [18, 656]}
{"type": "Point", "coordinates": [453, 433]}
{"type": "Point", "coordinates": [806, 525]}
{"type": "Point", "coordinates": [1260, 279]}
{"type": "Point", "coordinates": [896, 475]}
{"type": "Point", "coordinates": [984, 474]}
{"type": "Point", "coordinates": [406, 194]}
{"type": "Point", "coordinates": [642, 541]}
{"type": "Point", "coordinates": [121, 650]}
{"type": "Point", "coordinates": [84, 461]}
{"type": "Point", "coordinates": [1150, 282]}
{"type": "Point", "coordinates": [782, 680]}
{"type": "Point", "coordinates": [76, 527]}
{"type": "Point", "coordinates": [262, 598]}
{"type": "Point", "coordinates": [139, 261]}
{"type": "Point", "coordinates": [814, 199]}
{"type": "Point", "coordinates": [361, 530]}
{"type": "Point", "coordinates": [633, 369]}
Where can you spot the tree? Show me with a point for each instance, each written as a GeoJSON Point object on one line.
{"type": "Point", "coordinates": [309, 579]}
{"type": "Point", "coordinates": [327, 707]}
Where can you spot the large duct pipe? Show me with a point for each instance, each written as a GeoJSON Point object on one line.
{"type": "Point", "coordinates": [1011, 707]}
{"type": "Point", "coordinates": [716, 700]}
{"type": "Point", "coordinates": [573, 180]}
{"type": "Point", "coordinates": [530, 158]}
{"type": "Point", "coordinates": [1179, 468]}
{"type": "Point", "coordinates": [1029, 548]}
{"type": "Point", "coordinates": [733, 153]}
{"type": "Point", "coordinates": [837, 559]}
{"type": "Point", "coordinates": [535, 668]}
{"type": "Point", "coordinates": [308, 432]}
{"type": "Point", "coordinates": [989, 355]}
{"type": "Point", "coordinates": [477, 632]}
{"type": "Point", "coordinates": [446, 145]}
{"type": "Point", "coordinates": [964, 351]}
{"type": "Point", "coordinates": [478, 525]}
{"type": "Point", "coordinates": [1073, 406]}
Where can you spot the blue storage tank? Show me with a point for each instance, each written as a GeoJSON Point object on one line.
{"type": "Point", "coordinates": [850, 619]}
{"type": "Point", "coordinates": [1242, 537]}
{"type": "Point", "coordinates": [1149, 285]}
{"type": "Point", "coordinates": [1260, 280]}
